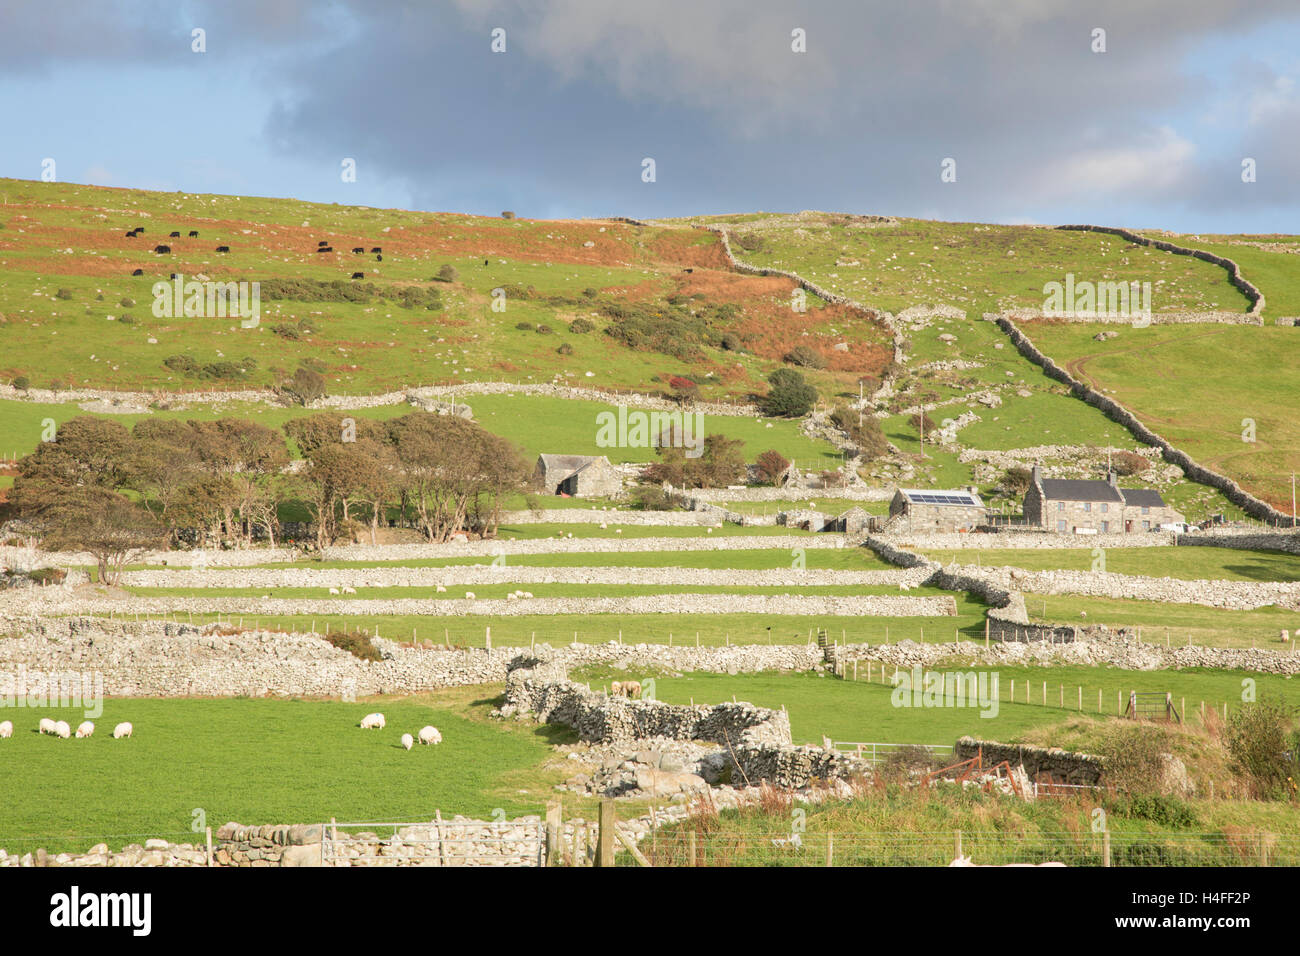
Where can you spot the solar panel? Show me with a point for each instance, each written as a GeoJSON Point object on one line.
{"type": "Point", "coordinates": [942, 498]}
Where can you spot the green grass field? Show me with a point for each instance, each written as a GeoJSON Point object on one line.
{"type": "Point", "coordinates": [260, 761]}
{"type": "Point", "coordinates": [1185, 563]}
{"type": "Point", "coordinates": [1202, 399]}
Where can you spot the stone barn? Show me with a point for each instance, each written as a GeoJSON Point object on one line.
{"type": "Point", "coordinates": [922, 509]}
{"type": "Point", "coordinates": [577, 476]}
{"type": "Point", "coordinates": [1094, 506]}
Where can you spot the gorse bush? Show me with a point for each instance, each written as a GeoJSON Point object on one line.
{"type": "Point", "coordinates": [1262, 741]}
{"type": "Point", "coordinates": [355, 643]}
{"type": "Point", "coordinates": [805, 357]}
{"type": "Point", "coordinates": [789, 396]}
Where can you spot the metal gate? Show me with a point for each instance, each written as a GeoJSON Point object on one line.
{"type": "Point", "coordinates": [438, 842]}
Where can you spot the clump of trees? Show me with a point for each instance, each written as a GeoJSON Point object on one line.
{"type": "Point", "coordinates": [720, 463]}
{"type": "Point", "coordinates": [863, 429]}
{"type": "Point", "coordinates": [772, 466]}
{"type": "Point", "coordinates": [101, 488]}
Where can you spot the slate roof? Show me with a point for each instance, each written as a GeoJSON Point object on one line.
{"type": "Point", "coordinates": [1080, 489]}
{"type": "Point", "coordinates": [1143, 497]}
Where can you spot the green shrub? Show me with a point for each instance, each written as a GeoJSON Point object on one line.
{"type": "Point", "coordinates": [306, 386]}
{"type": "Point", "coordinates": [651, 498]}
{"type": "Point", "coordinates": [508, 214]}
{"type": "Point", "coordinates": [1262, 741]}
{"type": "Point", "coordinates": [543, 330]}
{"type": "Point", "coordinates": [565, 349]}
{"type": "Point", "coordinates": [356, 644]}
{"type": "Point", "coordinates": [63, 294]}
{"type": "Point", "coordinates": [22, 383]}
{"type": "Point", "coordinates": [447, 273]}
{"type": "Point", "coordinates": [186, 364]}
{"type": "Point", "coordinates": [581, 326]}
{"type": "Point", "coordinates": [805, 357]}
{"type": "Point", "coordinates": [524, 326]}
{"type": "Point", "coordinates": [789, 396]}
{"type": "Point", "coordinates": [126, 302]}
{"type": "Point", "coordinates": [126, 319]}
{"type": "Point", "coordinates": [287, 331]}
{"type": "Point", "coordinates": [731, 342]}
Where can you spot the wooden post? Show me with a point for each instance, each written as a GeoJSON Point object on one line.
{"type": "Point", "coordinates": [605, 835]}
{"type": "Point", "coordinates": [690, 848]}
{"type": "Point", "coordinates": [1105, 847]}
{"type": "Point", "coordinates": [553, 823]}
{"type": "Point", "coordinates": [830, 849]}
{"type": "Point", "coordinates": [208, 833]}
{"type": "Point", "coordinates": [986, 633]}
{"type": "Point", "coordinates": [959, 844]}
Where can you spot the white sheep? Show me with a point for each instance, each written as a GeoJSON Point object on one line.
{"type": "Point", "coordinates": [470, 595]}
{"type": "Point", "coordinates": [47, 725]}
{"type": "Point", "coordinates": [123, 729]}
{"type": "Point", "coordinates": [430, 735]}
{"type": "Point", "coordinates": [85, 729]}
{"type": "Point", "coordinates": [441, 589]}
{"type": "Point", "coordinates": [347, 590]}
{"type": "Point", "coordinates": [62, 730]}
{"type": "Point", "coordinates": [407, 741]}
{"type": "Point", "coordinates": [527, 594]}
{"type": "Point", "coordinates": [6, 728]}
{"type": "Point", "coordinates": [334, 590]}
{"type": "Point", "coordinates": [372, 722]}
{"type": "Point", "coordinates": [512, 597]}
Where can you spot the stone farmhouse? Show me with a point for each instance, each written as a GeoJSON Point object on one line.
{"type": "Point", "coordinates": [577, 476]}
{"type": "Point", "coordinates": [924, 509]}
{"type": "Point", "coordinates": [1072, 506]}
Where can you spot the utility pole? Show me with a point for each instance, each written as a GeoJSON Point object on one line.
{"type": "Point", "coordinates": [1293, 499]}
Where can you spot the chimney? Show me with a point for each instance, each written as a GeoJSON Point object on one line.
{"type": "Point", "coordinates": [1112, 479]}
{"type": "Point", "coordinates": [1037, 475]}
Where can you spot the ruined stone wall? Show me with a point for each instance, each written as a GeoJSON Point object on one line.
{"type": "Point", "coordinates": [1064, 766]}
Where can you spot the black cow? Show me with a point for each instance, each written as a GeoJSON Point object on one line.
{"type": "Point", "coordinates": [138, 230]}
{"type": "Point", "coordinates": [162, 249]}
{"type": "Point", "coordinates": [323, 242]}
{"type": "Point", "coordinates": [376, 249]}
{"type": "Point", "coordinates": [172, 276]}
{"type": "Point", "coordinates": [325, 249]}
{"type": "Point", "coordinates": [484, 262]}
{"type": "Point", "coordinates": [174, 235]}
{"type": "Point", "coordinates": [379, 258]}
{"type": "Point", "coordinates": [131, 234]}
{"type": "Point", "coordinates": [688, 270]}
{"type": "Point", "coordinates": [138, 272]}
{"type": "Point", "coordinates": [359, 249]}
{"type": "Point", "coordinates": [223, 248]}
{"type": "Point", "coordinates": [358, 275]}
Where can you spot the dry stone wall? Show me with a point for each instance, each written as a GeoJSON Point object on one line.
{"type": "Point", "coordinates": [1235, 277]}
{"type": "Point", "coordinates": [1118, 413]}
{"type": "Point", "coordinates": [1062, 766]}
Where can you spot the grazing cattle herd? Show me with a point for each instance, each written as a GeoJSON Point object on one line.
{"type": "Point", "coordinates": [322, 245]}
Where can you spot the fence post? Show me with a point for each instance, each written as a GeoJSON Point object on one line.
{"type": "Point", "coordinates": [959, 844]}
{"type": "Point", "coordinates": [830, 849]}
{"type": "Point", "coordinates": [690, 847]}
{"type": "Point", "coordinates": [1105, 847]}
{"type": "Point", "coordinates": [208, 831]}
{"type": "Point", "coordinates": [605, 835]}
{"type": "Point", "coordinates": [552, 832]}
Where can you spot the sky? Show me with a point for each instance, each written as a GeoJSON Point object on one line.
{"type": "Point", "coordinates": [1039, 124]}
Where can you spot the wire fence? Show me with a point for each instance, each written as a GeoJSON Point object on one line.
{"type": "Point", "coordinates": [941, 848]}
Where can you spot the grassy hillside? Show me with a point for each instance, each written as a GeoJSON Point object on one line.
{"type": "Point", "coordinates": [66, 283]}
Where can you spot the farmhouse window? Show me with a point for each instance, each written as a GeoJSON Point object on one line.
{"type": "Point", "coordinates": [1105, 525]}
{"type": "Point", "coordinates": [1105, 507]}
{"type": "Point", "coordinates": [1087, 506]}
{"type": "Point", "coordinates": [1146, 510]}
{"type": "Point", "coordinates": [1146, 525]}
{"type": "Point", "coordinates": [1060, 525]}
{"type": "Point", "coordinates": [1060, 506]}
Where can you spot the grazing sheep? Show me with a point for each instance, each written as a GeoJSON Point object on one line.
{"type": "Point", "coordinates": [430, 735]}
{"type": "Point", "coordinates": [62, 730]}
{"type": "Point", "coordinates": [470, 595]}
{"type": "Point", "coordinates": [372, 722]}
{"type": "Point", "coordinates": [123, 729]}
{"type": "Point", "coordinates": [441, 589]}
{"type": "Point", "coordinates": [47, 725]}
{"type": "Point", "coordinates": [6, 728]}
{"type": "Point", "coordinates": [85, 729]}
{"type": "Point", "coordinates": [334, 590]}
{"type": "Point", "coordinates": [632, 688]}
{"type": "Point", "coordinates": [348, 590]}
{"type": "Point", "coordinates": [615, 688]}
{"type": "Point", "coordinates": [512, 597]}
{"type": "Point", "coordinates": [407, 741]}
{"type": "Point", "coordinates": [528, 594]}
{"type": "Point", "coordinates": [966, 861]}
